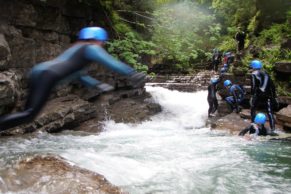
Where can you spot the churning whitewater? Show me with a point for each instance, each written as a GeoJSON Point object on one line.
{"type": "Point", "coordinates": [173, 153]}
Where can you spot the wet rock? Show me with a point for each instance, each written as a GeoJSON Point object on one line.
{"type": "Point", "coordinates": [286, 44]}
{"type": "Point", "coordinates": [133, 110]}
{"type": "Point", "coordinates": [223, 108]}
{"type": "Point", "coordinates": [8, 90]}
{"type": "Point", "coordinates": [59, 114]}
{"type": "Point", "coordinates": [192, 83]}
{"type": "Point", "coordinates": [284, 117]}
{"type": "Point", "coordinates": [284, 100]}
{"type": "Point", "coordinates": [283, 67]}
{"type": "Point", "coordinates": [5, 54]}
{"type": "Point", "coordinates": [52, 174]}
{"type": "Point", "coordinates": [245, 114]}
{"type": "Point", "coordinates": [232, 123]}
{"type": "Point", "coordinates": [129, 106]}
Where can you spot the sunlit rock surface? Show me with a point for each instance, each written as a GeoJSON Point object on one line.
{"type": "Point", "coordinates": [51, 174]}
{"type": "Point", "coordinates": [284, 117]}
{"type": "Point", "coordinates": [232, 123]}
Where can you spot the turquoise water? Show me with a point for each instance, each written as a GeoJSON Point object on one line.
{"type": "Point", "coordinates": [172, 153]}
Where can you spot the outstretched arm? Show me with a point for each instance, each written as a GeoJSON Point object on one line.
{"type": "Point", "coordinates": [90, 82]}
{"type": "Point", "coordinates": [98, 54]}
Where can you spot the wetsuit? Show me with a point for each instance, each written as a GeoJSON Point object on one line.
{"type": "Point", "coordinates": [236, 97]}
{"type": "Point", "coordinates": [263, 90]}
{"type": "Point", "coordinates": [211, 98]}
{"type": "Point", "coordinates": [44, 76]}
{"type": "Point", "coordinates": [216, 59]}
{"type": "Point", "coordinates": [254, 129]}
{"type": "Point", "coordinates": [240, 38]}
{"type": "Point", "coordinates": [228, 58]}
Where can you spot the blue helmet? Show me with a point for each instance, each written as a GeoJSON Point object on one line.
{"type": "Point", "coordinates": [260, 118]}
{"type": "Point", "coordinates": [214, 80]}
{"type": "Point", "coordinates": [93, 33]}
{"type": "Point", "coordinates": [256, 64]}
{"type": "Point", "coordinates": [227, 83]}
{"type": "Point", "coordinates": [225, 65]}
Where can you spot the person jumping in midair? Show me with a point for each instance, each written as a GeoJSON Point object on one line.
{"type": "Point", "coordinates": [44, 76]}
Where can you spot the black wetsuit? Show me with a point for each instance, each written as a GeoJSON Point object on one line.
{"type": "Point", "coordinates": [211, 98]}
{"type": "Point", "coordinates": [263, 90]}
{"type": "Point", "coordinates": [240, 38]}
{"type": "Point", "coordinates": [216, 59]}
{"type": "Point", "coordinates": [254, 129]}
{"type": "Point", "coordinates": [235, 98]}
{"type": "Point", "coordinates": [44, 76]}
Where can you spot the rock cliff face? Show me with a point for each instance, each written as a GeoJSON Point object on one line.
{"type": "Point", "coordinates": [32, 31]}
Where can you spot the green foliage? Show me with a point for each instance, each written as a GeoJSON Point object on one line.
{"type": "Point", "coordinates": [131, 49]}
{"type": "Point", "coordinates": [227, 44]}
{"type": "Point", "coordinates": [274, 35]}
{"type": "Point", "coordinates": [184, 34]}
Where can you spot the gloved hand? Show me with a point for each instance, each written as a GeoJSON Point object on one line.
{"type": "Point", "coordinates": [103, 87]}
{"type": "Point", "coordinates": [137, 80]}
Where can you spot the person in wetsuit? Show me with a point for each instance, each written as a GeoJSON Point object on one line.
{"type": "Point", "coordinates": [211, 98]}
{"type": "Point", "coordinates": [257, 128]}
{"type": "Point", "coordinates": [216, 59]}
{"type": "Point", "coordinates": [262, 90]}
{"type": "Point", "coordinates": [44, 76]}
{"type": "Point", "coordinates": [236, 95]}
{"type": "Point", "coordinates": [240, 37]}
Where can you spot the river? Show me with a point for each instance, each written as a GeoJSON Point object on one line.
{"type": "Point", "coordinates": [173, 153]}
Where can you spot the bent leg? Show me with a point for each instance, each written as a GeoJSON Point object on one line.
{"type": "Point", "coordinates": [40, 88]}
{"type": "Point", "coordinates": [230, 102]}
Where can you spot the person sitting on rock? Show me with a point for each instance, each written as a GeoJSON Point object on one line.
{"type": "Point", "coordinates": [44, 76]}
{"type": "Point", "coordinates": [228, 58]}
{"type": "Point", "coordinates": [257, 128]}
{"type": "Point", "coordinates": [211, 98]}
{"type": "Point", "coordinates": [262, 91]}
{"type": "Point", "coordinates": [236, 93]}
{"type": "Point", "coordinates": [224, 69]}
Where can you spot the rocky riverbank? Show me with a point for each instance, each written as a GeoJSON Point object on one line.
{"type": "Point", "coordinates": [52, 174]}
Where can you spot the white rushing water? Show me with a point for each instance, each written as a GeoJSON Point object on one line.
{"type": "Point", "coordinates": [172, 153]}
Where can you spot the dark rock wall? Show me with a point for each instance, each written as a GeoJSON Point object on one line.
{"type": "Point", "coordinates": [32, 31]}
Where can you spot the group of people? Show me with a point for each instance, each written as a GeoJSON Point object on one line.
{"type": "Point", "coordinates": [217, 57]}
{"type": "Point", "coordinates": [262, 91]}
{"type": "Point", "coordinates": [69, 66]}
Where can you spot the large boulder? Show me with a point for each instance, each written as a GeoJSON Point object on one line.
{"type": "Point", "coordinates": [232, 123]}
{"type": "Point", "coordinates": [284, 100]}
{"type": "Point", "coordinates": [8, 90]}
{"type": "Point", "coordinates": [286, 44]}
{"type": "Point", "coordinates": [59, 114]}
{"type": "Point", "coordinates": [283, 67]}
{"type": "Point", "coordinates": [52, 174]}
{"type": "Point", "coordinates": [284, 117]}
{"type": "Point", "coordinates": [5, 54]}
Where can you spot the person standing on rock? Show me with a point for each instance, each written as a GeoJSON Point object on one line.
{"type": "Point", "coordinates": [211, 98]}
{"type": "Point", "coordinates": [216, 59]}
{"type": "Point", "coordinates": [236, 95]}
{"type": "Point", "coordinates": [257, 128]}
{"type": "Point", "coordinates": [240, 37]}
{"type": "Point", "coordinates": [262, 91]}
{"type": "Point", "coordinates": [67, 66]}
